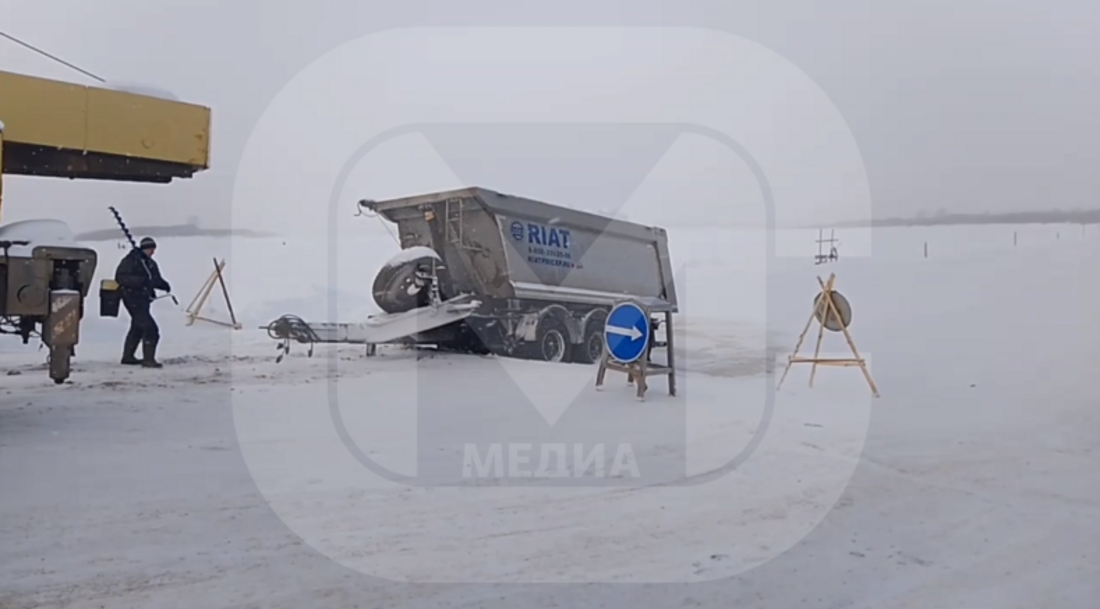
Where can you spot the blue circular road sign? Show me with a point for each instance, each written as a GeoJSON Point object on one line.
{"type": "Point", "coordinates": [626, 332]}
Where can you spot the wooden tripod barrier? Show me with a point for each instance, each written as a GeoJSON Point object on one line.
{"type": "Point", "coordinates": [197, 303]}
{"type": "Point", "coordinates": [827, 313]}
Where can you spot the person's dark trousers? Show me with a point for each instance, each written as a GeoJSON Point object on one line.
{"type": "Point", "coordinates": [143, 331]}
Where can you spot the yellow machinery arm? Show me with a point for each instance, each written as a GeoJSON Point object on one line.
{"type": "Point", "coordinates": [58, 129]}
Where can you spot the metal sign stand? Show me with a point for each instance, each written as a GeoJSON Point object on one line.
{"type": "Point", "coordinates": [833, 312]}
{"type": "Point", "coordinates": [629, 342]}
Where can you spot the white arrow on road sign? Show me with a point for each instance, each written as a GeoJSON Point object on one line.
{"type": "Point", "coordinates": [627, 332]}
{"type": "Point", "coordinates": [632, 332]}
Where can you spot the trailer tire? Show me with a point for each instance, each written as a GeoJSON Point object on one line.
{"type": "Point", "coordinates": [391, 285]}
{"type": "Point", "coordinates": [552, 341]}
{"type": "Point", "coordinates": [591, 349]}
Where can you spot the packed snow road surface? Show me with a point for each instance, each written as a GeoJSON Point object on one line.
{"type": "Point", "coordinates": [226, 480]}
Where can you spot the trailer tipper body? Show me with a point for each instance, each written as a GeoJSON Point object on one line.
{"type": "Point", "coordinates": [544, 276]}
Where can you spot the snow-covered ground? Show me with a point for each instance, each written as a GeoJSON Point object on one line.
{"type": "Point", "coordinates": [227, 480]}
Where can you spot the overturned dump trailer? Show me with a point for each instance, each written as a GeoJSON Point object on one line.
{"type": "Point", "coordinates": [486, 272]}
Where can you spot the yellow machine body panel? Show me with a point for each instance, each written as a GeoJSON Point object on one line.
{"type": "Point", "coordinates": [25, 102]}
{"type": "Point", "coordinates": [147, 127]}
{"type": "Point", "coordinates": [60, 129]}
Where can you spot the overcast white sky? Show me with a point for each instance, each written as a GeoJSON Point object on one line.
{"type": "Point", "coordinates": [965, 105]}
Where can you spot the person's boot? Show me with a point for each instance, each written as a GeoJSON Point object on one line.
{"type": "Point", "coordinates": [129, 351]}
{"type": "Point", "coordinates": [149, 351]}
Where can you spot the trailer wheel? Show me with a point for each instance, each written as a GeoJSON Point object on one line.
{"type": "Point", "coordinates": [551, 344]}
{"type": "Point", "coordinates": [391, 287]}
{"type": "Point", "coordinates": [591, 350]}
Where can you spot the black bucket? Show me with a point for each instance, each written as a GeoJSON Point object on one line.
{"type": "Point", "coordinates": [109, 298]}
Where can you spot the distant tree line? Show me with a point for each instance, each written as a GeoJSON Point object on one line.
{"type": "Point", "coordinates": [179, 230]}
{"type": "Point", "coordinates": [942, 218]}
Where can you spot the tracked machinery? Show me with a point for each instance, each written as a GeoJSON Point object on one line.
{"type": "Point", "coordinates": [57, 129]}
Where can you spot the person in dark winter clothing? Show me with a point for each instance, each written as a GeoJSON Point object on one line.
{"type": "Point", "coordinates": [138, 276]}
